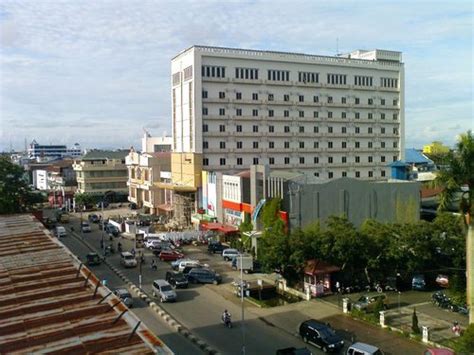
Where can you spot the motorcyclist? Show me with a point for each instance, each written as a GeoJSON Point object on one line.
{"type": "Point", "coordinates": [226, 317]}
{"type": "Point", "coordinates": [119, 247]}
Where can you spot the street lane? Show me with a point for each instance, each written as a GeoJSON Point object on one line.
{"type": "Point", "coordinates": [199, 307]}
{"type": "Point", "coordinates": [174, 340]}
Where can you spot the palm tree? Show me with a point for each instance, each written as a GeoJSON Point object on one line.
{"type": "Point", "coordinates": [460, 174]}
{"type": "Point", "coordinates": [459, 177]}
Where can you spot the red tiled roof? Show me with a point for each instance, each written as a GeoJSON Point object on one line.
{"type": "Point", "coordinates": [50, 302]}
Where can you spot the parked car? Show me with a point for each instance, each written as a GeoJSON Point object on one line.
{"type": "Point", "coordinates": [186, 263]}
{"type": "Point", "coordinates": [216, 247]}
{"type": "Point", "coordinates": [321, 335]}
{"type": "Point", "coordinates": [127, 259]}
{"type": "Point", "coordinates": [93, 259]}
{"type": "Point", "coordinates": [93, 218]}
{"type": "Point", "coordinates": [170, 255]}
{"type": "Point", "coordinates": [367, 302]}
{"type": "Point", "coordinates": [293, 351]}
{"type": "Point", "coordinates": [363, 349]}
{"type": "Point", "coordinates": [163, 290]}
{"type": "Point", "coordinates": [442, 280]}
{"type": "Point", "coordinates": [418, 282]}
{"type": "Point", "coordinates": [111, 229]}
{"type": "Point", "coordinates": [175, 264]}
{"type": "Point", "coordinates": [204, 276]}
{"type": "Point", "coordinates": [176, 279]}
{"type": "Point", "coordinates": [125, 296]}
{"type": "Point", "coordinates": [228, 254]}
{"type": "Point", "coordinates": [60, 232]}
{"type": "Point", "coordinates": [85, 227]}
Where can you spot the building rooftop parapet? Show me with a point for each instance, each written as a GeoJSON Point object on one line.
{"type": "Point", "coordinates": [275, 55]}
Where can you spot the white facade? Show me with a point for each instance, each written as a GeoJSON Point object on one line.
{"type": "Point", "coordinates": [328, 117]}
{"type": "Point", "coordinates": [156, 144]}
{"type": "Point", "coordinates": [40, 179]}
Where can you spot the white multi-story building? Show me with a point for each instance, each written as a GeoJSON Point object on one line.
{"type": "Point", "coordinates": [48, 152]}
{"type": "Point", "coordinates": [325, 116]}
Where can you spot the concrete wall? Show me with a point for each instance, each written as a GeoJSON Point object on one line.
{"type": "Point", "coordinates": [357, 199]}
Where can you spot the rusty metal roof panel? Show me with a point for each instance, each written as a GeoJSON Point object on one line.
{"type": "Point", "coordinates": [50, 302]}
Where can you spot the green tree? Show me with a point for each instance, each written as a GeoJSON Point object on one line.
{"type": "Point", "coordinates": [83, 199]}
{"type": "Point", "coordinates": [460, 172]}
{"type": "Point", "coordinates": [15, 194]}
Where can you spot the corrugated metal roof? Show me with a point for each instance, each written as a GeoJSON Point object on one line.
{"type": "Point", "coordinates": [50, 302]}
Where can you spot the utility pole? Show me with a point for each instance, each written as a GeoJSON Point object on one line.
{"type": "Point", "coordinates": [242, 300]}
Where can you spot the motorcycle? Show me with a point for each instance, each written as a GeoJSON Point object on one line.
{"type": "Point", "coordinates": [227, 321]}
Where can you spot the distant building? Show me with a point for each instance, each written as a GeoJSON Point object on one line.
{"type": "Point", "coordinates": [48, 152]}
{"type": "Point", "coordinates": [102, 172]}
{"type": "Point", "coordinates": [416, 166]}
{"type": "Point", "coordinates": [156, 144]}
{"type": "Point", "coordinates": [435, 148]}
{"type": "Point", "coordinates": [146, 170]}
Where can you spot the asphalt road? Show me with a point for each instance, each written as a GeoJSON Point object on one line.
{"type": "Point", "coordinates": [199, 308]}
{"type": "Point", "coordinates": [174, 340]}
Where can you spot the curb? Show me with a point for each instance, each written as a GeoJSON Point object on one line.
{"type": "Point", "coordinates": [180, 328]}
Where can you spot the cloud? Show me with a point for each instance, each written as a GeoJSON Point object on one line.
{"type": "Point", "coordinates": [76, 69]}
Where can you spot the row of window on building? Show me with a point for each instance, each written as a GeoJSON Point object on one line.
{"type": "Point", "coordinates": [301, 98]}
{"type": "Point", "coordinates": [214, 71]}
{"type": "Point", "coordinates": [301, 145]}
{"type": "Point", "coordinates": [301, 114]}
{"type": "Point", "coordinates": [286, 161]}
{"type": "Point", "coordinates": [301, 129]}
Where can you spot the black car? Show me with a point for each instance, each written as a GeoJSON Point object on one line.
{"type": "Point", "coordinates": [203, 276]}
{"type": "Point", "coordinates": [176, 279]}
{"type": "Point", "coordinates": [321, 335]}
{"type": "Point", "coordinates": [93, 218]}
{"type": "Point", "coordinates": [111, 229]}
{"type": "Point", "coordinates": [215, 247]}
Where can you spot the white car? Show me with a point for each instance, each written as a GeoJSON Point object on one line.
{"type": "Point", "coordinates": [185, 263]}
{"type": "Point", "coordinates": [152, 243]}
{"type": "Point", "coordinates": [229, 254]}
{"type": "Point", "coordinates": [127, 259]}
{"type": "Point", "coordinates": [60, 231]}
{"type": "Point", "coordinates": [85, 227]}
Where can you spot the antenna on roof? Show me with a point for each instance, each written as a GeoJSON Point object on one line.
{"type": "Point", "coordinates": [337, 46]}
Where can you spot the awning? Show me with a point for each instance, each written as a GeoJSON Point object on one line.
{"type": "Point", "coordinates": [165, 207]}
{"type": "Point", "coordinates": [219, 227]}
{"type": "Point", "coordinates": [317, 267]}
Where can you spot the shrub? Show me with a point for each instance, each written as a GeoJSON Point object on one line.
{"type": "Point", "coordinates": [414, 323]}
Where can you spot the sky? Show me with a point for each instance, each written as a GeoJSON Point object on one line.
{"type": "Point", "coordinates": [98, 72]}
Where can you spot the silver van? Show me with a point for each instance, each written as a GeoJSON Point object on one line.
{"type": "Point", "coordinates": [363, 349]}
{"type": "Point", "coordinates": [164, 291]}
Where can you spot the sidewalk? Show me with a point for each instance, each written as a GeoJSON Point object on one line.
{"type": "Point", "coordinates": [289, 317]}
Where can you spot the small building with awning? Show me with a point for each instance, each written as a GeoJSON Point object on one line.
{"type": "Point", "coordinates": [317, 277]}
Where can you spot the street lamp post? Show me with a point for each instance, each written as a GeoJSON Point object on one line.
{"type": "Point", "coordinates": [103, 228]}
{"type": "Point", "coordinates": [140, 274]}
{"type": "Point", "coordinates": [242, 300]}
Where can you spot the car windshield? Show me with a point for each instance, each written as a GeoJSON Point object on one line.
{"type": "Point", "coordinates": [363, 299]}
{"type": "Point", "coordinates": [129, 257]}
{"type": "Point", "coordinates": [327, 332]}
{"type": "Point", "coordinates": [179, 277]}
{"type": "Point", "coordinates": [166, 288]}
